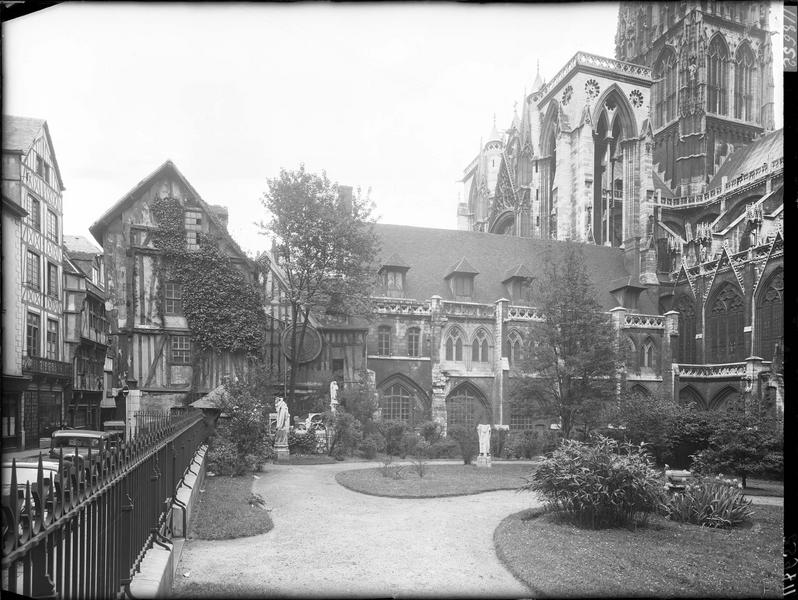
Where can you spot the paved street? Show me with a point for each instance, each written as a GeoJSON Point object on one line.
{"type": "Point", "coordinates": [328, 540]}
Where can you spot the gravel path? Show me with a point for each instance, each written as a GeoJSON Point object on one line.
{"type": "Point", "coordinates": [328, 540]}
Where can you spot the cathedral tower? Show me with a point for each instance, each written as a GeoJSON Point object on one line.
{"type": "Point", "coordinates": [713, 81]}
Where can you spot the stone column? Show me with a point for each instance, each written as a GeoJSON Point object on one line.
{"type": "Point", "coordinates": [499, 361]}
{"type": "Point", "coordinates": [439, 379]}
{"type": "Point", "coordinates": [618, 315]}
{"type": "Point", "coordinates": [671, 331]}
{"type": "Point", "coordinates": [751, 387]}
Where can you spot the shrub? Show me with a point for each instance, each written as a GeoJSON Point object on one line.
{"type": "Point", "coordinates": [223, 456]}
{"type": "Point", "coordinates": [444, 448]}
{"type": "Point", "coordinates": [372, 444]}
{"type": "Point", "coordinates": [527, 444]}
{"type": "Point", "coordinates": [302, 442]}
{"type": "Point", "coordinates": [498, 437]}
{"type": "Point", "coordinates": [393, 431]}
{"type": "Point", "coordinates": [420, 461]}
{"type": "Point", "coordinates": [468, 441]}
{"type": "Point", "coordinates": [430, 431]}
{"type": "Point", "coordinates": [710, 502]}
{"type": "Point", "coordinates": [600, 484]}
{"type": "Point", "coordinates": [346, 432]}
{"type": "Point", "coordinates": [408, 443]}
{"type": "Point", "coordinates": [688, 433]}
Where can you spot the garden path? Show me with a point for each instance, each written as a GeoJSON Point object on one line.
{"type": "Point", "coordinates": [328, 540]}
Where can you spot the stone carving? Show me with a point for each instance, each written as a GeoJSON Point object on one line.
{"type": "Point", "coordinates": [636, 98]}
{"type": "Point", "coordinates": [592, 89]}
{"type": "Point", "coordinates": [333, 395]}
{"type": "Point", "coordinates": [484, 439]}
{"type": "Point", "coordinates": [283, 422]}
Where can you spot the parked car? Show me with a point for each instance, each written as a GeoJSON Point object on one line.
{"type": "Point", "coordinates": [67, 440]}
{"type": "Point", "coordinates": [116, 431]}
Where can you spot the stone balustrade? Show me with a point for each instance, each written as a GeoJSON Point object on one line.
{"type": "Point", "coordinates": [710, 371]}
{"type": "Point", "coordinates": [644, 321]}
{"type": "Point", "coordinates": [524, 313]}
{"type": "Point", "coordinates": [468, 309]}
{"type": "Point", "coordinates": [600, 62]}
{"type": "Point", "coordinates": [401, 306]}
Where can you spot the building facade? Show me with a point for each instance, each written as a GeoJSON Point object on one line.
{"type": "Point", "coordinates": [35, 373]}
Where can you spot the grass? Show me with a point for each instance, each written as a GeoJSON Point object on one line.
{"type": "Point", "coordinates": [224, 510]}
{"type": "Point", "coordinates": [764, 487]}
{"type": "Point", "coordinates": [663, 559]}
{"type": "Point", "coordinates": [307, 459]}
{"type": "Point", "coordinates": [439, 480]}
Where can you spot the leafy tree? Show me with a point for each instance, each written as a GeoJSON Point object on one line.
{"type": "Point", "coordinates": [645, 418]}
{"type": "Point", "coordinates": [571, 364]}
{"type": "Point", "coordinates": [325, 247]}
{"type": "Point", "coordinates": [742, 443]}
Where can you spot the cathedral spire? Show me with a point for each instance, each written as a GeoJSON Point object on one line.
{"type": "Point", "coordinates": [494, 133]}
{"type": "Point", "coordinates": [538, 81]}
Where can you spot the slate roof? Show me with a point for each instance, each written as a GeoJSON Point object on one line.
{"type": "Point", "coordinates": [431, 252]}
{"type": "Point", "coordinates": [462, 266]}
{"type": "Point", "coordinates": [394, 260]}
{"type": "Point", "coordinates": [79, 247]}
{"type": "Point", "coordinates": [128, 199]}
{"type": "Point", "coordinates": [520, 270]}
{"type": "Point", "coordinates": [661, 185]}
{"type": "Point", "coordinates": [768, 147]}
{"type": "Point", "coordinates": [19, 133]}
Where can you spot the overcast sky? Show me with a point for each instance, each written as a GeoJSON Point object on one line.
{"type": "Point", "coordinates": [391, 97]}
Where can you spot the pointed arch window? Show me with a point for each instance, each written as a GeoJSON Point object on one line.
{"type": "Point", "coordinates": [647, 353]}
{"type": "Point", "coordinates": [397, 404]}
{"type": "Point", "coordinates": [770, 315]}
{"type": "Point", "coordinates": [717, 76]}
{"type": "Point", "coordinates": [744, 83]}
{"type": "Point", "coordinates": [665, 88]}
{"type": "Point", "coordinates": [454, 346]}
{"type": "Point", "coordinates": [725, 326]}
{"type": "Point", "coordinates": [465, 407]}
{"type": "Point", "coordinates": [686, 348]}
{"type": "Point", "coordinates": [480, 350]}
{"type": "Point", "coordinates": [514, 345]}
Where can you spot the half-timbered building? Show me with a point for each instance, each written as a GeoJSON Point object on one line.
{"type": "Point", "coordinates": [35, 374]}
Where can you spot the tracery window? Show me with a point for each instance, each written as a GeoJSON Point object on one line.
{"type": "Point", "coordinates": [454, 345]}
{"type": "Point", "coordinates": [384, 340]}
{"type": "Point", "coordinates": [464, 407]}
{"type": "Point", "coordinates": [686, 346]}
{"type": "Point", "coordinates": [514, 345]}
{"type": "Point", "coordinates": [480, 351]}
{"type": "Point", "coordinates": [725, 326]}
{"type": "Point", "coordinates": [770, 315]}
{"type": "Point", "coordinates": [397, 404]}
{"type": "Point", "coordinates": [717, 76]}
{"type": "Point", "coordinates": [665, 88]}
{"type": "Point", "coordinates": [648, 353]}
{"type": "Point", "coordinates": [744, 83]}
{"type": "Point", "coordinates": [414, 341]}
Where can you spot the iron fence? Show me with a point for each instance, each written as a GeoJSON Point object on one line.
{"type": "Point", "coordinates": [82, 529]}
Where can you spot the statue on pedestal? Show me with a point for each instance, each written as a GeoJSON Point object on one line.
{"type": "Point", "coordinates": [283, 422]}
{"type": "Point", "coordinates": [333, 395]}
{"type": "Point", "coordinates": [484, 439]}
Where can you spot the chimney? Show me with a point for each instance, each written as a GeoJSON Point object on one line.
{"type": "Point", "coordinates": [220, 212]}
{"type": "Point", "coordinates": [345, 196]}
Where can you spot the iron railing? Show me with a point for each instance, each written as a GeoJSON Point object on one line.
{"type": "Point", "coordinates": [82, 528]}
{"type": "Point", "coordinates": [46, 366]}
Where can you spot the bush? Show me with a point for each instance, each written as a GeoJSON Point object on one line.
{"type": "Point", "coordinates": [600, 484]}
{"type": "Point", "coordinates": [527, 444]}
{"type": "Point", "coordinates": [301, 442]}
{"type": "Point", "coordinates": [372, 444]}
{"type": "Point", "coordinates": [498, 437]}
{"type": "Point", "coordinates": [711, 502]}
{"type": "Point", "coordinates": [467, 439]}
{"type": "Point", "coordinates": [430, 431]}
{"type": "Point", "coordinates": [346, 432]}
{"type": "Point", "coordinates": [688, 433]}
{"type": "Point", "coordinates": [393, 432]}
{"type": "Point", "coordinates": [444, 448]}
{"type": "Point", "coordinates": [408, 443]}
{"type": "Point", "coordinates": [223, 457]}
{"type": "Point", "coordinates": [420, 462]}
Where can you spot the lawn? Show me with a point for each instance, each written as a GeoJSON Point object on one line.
{"type": "Point", "coordinates": [663, 559]}
{"type": "Point", "coordinates": [764, 487]}
{"type": "Point", "coordinates": [439, 480]}
{"type": "Point", "coordinates": [224, 510]}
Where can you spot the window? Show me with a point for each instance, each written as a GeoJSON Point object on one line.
{"type": "Point", "coordinates": [397, 404]}
{"type": "Point", "coordinates": [393, 280]}
{"type": "Point", "coordinates": [181, 349]}
{"type": "Point", "coordinates": [725, 326]}
{"type": "Point", "coordinates": [717, 76]}
{"type": "Point", "coordinates": [34, 209]}
{"type": "Point", "coordinates": [32, 271]}
{"type": "Point", "coordinates": [520, 422]}
{"type": "Point", "coordinates": [39, 166]}
{"type": "Point", "coordinates": [648, 353]}
{"type": "Point", "coordinates": [665, 89]}
{"type": "Point", "coordinates": [95, 276]}
{"type": "Point", "coordinates": [454, 346]}
{"type": "Point", "coordinates": [173, 298]}
{"type": "Point", "coordinates": [46, 173]}
{"type": "Point", "coordinates": [52, 280]}
{"type": "Point", "coordinates": [193, 225]}
{"type": "Point", "coordinates": [464, 407]}
{"type": "Point", "coordinates": [52, 226]}
{"type": "Point", "coordinates": [770, 315]}
{"type": "Point", "coordinates": [52, 339]}
{"type": "Point", "coordinates": [384, 340]}
{"type": "Point", "coordinates": [463, 286]}
{"type": "Point", "coordinates": [743, 84]}
{"type": "Point", "coordinates": [514, 348]}
{"type": "Point", "coordinates": [479, 348]}
{"type": "Point", "coordinates": [33, 333]}
{"type": "Point", "coordinates": [686, 330]}
{"type": "Point", "coordinates": [414, 341]}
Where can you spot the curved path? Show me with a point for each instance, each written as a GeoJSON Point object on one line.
{"type": "Point", "coordinates": [328, 540]}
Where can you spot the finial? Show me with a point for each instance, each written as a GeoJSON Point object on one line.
{"type": "Point", "coordinates": [494, 120]}
{"type": "Point", "coordinates": [538, 66]}
{"type": "Point", "coordinates": [515, 106]}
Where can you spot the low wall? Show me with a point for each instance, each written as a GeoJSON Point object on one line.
{"type": "Point", "coordinates": [157, 571]}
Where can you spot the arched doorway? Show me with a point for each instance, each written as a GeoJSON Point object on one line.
{"type": "Point", "coordinates": [466, 406]}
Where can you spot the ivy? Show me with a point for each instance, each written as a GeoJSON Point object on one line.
{"type": "Point", "coordinates": [223, 309]}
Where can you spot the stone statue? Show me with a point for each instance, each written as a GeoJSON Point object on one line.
{"type": "Point", "coordinates": [333, 395]}
{"type": "Point", "coordinates": [484, 439]}
{"type": "Point", "coordinates": [283, 422]}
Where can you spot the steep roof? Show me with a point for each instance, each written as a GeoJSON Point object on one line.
{"type": "Point", "coordinates": [79, 247]}
{"type": "Point", "coordinates": [395, 260]}
{"type": "Point", "coordinates": [128, 199]}
{"type": "Point", "coordinates": [767, 148]}
{"type": "Point", "coordinates": [19, 133]}
{"type": "Point", "coordinates": [661, 185]}
{"type": "Point", "coordinates": [431, 252]}
{"type": "Point", "coordinates": [519, 270]}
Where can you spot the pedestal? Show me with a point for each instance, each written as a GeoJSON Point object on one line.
{"type": "Point", "coordinates": [483, 460]}
{"type": "Point", "coordinates": [282, 452]}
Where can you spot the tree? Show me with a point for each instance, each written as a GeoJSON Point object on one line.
{"type": "Point", "coordinates": [325, 246]}
{"type": "Point", "coordinates": [572, 362]}
{"type": "Point", "coordinates": [645, 418]}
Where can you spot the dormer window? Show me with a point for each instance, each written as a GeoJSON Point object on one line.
{"type": "Point", "coordinates": [518, 281]}
{"type": "Point", "coordinates": [393, 274]}
{"type": "Point", "coordinates": [461, 280]}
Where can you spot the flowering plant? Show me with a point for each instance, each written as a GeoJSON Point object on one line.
{"type": "Point", "coordinates": [710, 502]}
